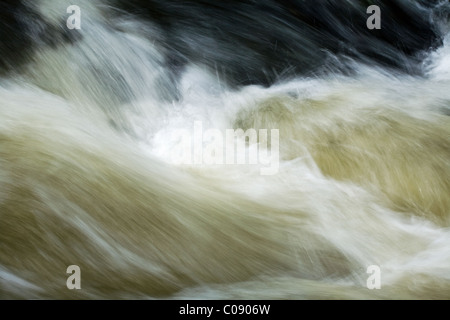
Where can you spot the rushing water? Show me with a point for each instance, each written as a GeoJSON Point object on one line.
{"type": "Point", "coordinates": [90, 119]}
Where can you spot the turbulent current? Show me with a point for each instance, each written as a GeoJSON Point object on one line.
{"type": "Point", "coordinates": [115, 149]}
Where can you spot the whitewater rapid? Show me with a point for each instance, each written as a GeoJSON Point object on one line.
{"type": "Point", "coordinates": [88, 177]}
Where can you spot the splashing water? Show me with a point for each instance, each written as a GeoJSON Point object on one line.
{"type": "Point", "coordinates": [88, 128]}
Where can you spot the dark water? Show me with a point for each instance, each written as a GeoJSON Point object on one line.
{"type": "Point", "coordinates": [356, 170]}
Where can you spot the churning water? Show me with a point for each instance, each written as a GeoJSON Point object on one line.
{"type": "Point", "coordinates": [90, 119]}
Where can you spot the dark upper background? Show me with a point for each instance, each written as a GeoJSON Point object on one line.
{"type": "Point", "coordinates": [252, 42]}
